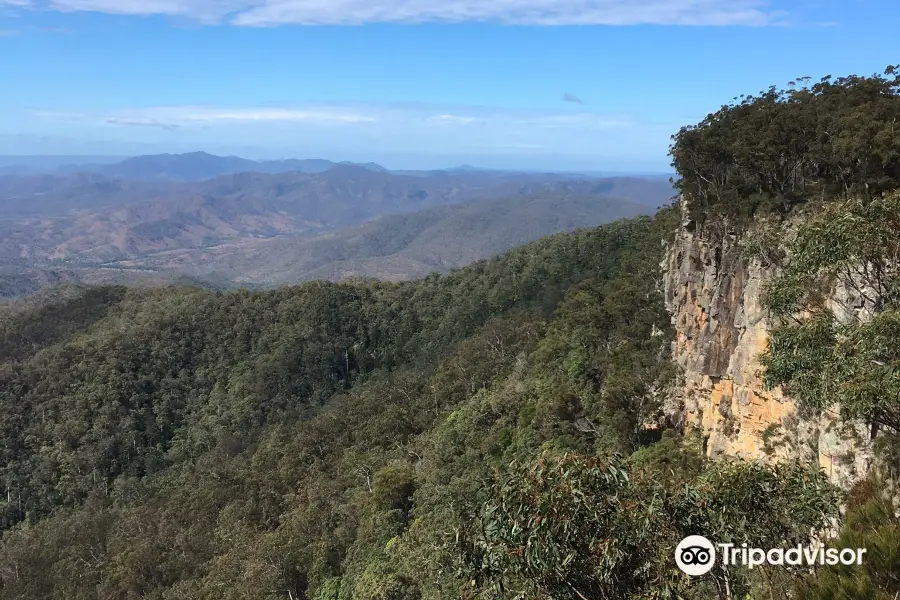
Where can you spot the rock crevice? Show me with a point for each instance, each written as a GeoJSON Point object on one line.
{"type": "Point", "coordinates": [714, 295]}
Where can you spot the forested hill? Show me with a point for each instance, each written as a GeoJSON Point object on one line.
{"type": "Point", "coordinates": [812, 141]}
{"type": "Point", "coordinates": [497, 432]}
{"type": "Point", "coordinates": [342, 440]}
{"type": "Point", "coordinates": [175, 442]}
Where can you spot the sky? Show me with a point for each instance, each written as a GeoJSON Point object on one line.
{"type": "Point", "coordinates": [535, 84]}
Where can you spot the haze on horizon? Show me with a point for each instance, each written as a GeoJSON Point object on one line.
{"type": "Point", "coordinates": [598, 85]}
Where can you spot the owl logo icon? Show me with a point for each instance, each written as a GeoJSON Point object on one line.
{"type": "Point", "coordinates": [695, 555]}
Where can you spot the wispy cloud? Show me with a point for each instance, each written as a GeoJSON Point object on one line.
{"type": "Point", "coordinates": [342, 115]}
{"type": "Point", "coordinates": [452, 119]}
{"type": "Point", "coordinates": [143, 123]}
{"type": "Point", "coordinates": [506, 146]}
{"type": "Point", "coordinates": [260, 13]}
{"type": "Point", "coordinates": [8, 32]}
{"type": "Point", "coordinates": [176, 116]}
{"type": "Point", "coordinates": [365, 129]}
{"type": "Point", "coordinates": [568, 97]}
{"type": "Point", "coordinates": [320, 115]}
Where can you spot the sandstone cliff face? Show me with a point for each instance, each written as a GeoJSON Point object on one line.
{"type": "Point", "coordinates": [714, 296]}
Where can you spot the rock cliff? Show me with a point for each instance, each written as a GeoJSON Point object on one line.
{"type": "Point", "coordinates": [713, 293]}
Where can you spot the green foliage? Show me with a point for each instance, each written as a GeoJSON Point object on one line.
{"type": "Point", "coordinates": [772, 438]}
{"type": "Point", "coordinates": [575, 527]}
{"type": "Point", "coordinates": [855, 242]}
{"type": "Point", "coordinates": [329, 590]}
{"type": "Point", "coordinates": [872, 523]}
{"type": "Point", "coordinates": [378, 583]}
{"type": "Point", "coordinates": [564, 527]}
{"type": "Point", "coordinates": [764, 245]}
{"type": "Point", "coordinates": [798, 357]}
{"type": "Point", "coordinates": [330, 441]}
{"type": "Point", "coordinates": [672, 460]}
{"type": "Point", "coordinates": [393, 488]}
{"type": "Point", "coordinates": [315, 440]}
{"type": "Point", "coordinates": [495, 432]}
{"type": "Point", "coordinates": [832, 138]}
{"type": "Point", "coordinates": [768, 505]}
{"type": "Point", "coordinates": [819, 358]}
{"type": "Point", "coordinates": [413, 245]}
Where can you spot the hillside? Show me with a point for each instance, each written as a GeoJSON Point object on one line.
{"type": "Point", "coordinates": [113, 228]}
{"type": "Point", "coordinates": [326, 439]}
{"type": "Point", "coordinates": [50, 196]}
{"type": "Point", "coordinates": [192, 166]}
{"type": "Point", "coordinates": [198, 166]}
{"type": "Point", "coordinates": [547, 423]}
{"type": "Point", "coordinates": [57, 195]}
{"type": "Point", "coordinates": [391, 248]}
{"type": "Point", "coordinates": [46, 164]}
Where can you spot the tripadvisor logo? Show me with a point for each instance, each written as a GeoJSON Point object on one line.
{"type": "Point", "coordinates": [696, 555]}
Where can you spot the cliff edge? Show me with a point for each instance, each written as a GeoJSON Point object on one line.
{"type": "Point", "coordinates": [714, 294]}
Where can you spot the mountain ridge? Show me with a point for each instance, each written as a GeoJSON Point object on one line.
{"type": "Point", "coordinates": [90, 217]}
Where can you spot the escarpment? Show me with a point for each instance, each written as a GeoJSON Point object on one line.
{"type": "Point", "coordinates": [714, 293]}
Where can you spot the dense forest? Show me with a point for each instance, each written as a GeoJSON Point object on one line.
{"type": "Point", "coordinates": [495, 432]}
{"type": "Point", "coordinates": [811, 141]}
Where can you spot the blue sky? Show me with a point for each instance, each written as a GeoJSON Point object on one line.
{"type": "Point", "coordinates": [554, 84]}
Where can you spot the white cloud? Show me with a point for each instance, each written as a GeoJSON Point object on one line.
{"type": "Point", "coordinates": [268, 114]}
{"type": "Point", "coordinates": [387, 116]}
{"type": "Point", "coordinates": [344, 128]}
{"type": "Point", "coordinates": [484, 146]}
{"type": "Point", "coordinates": [352, 12]}
{"type": "Point", "coordinates": [452, 119]}
{"type": "Point", "coordinates": [142, 123]}
{"type": "Point", "coordinates": [357, 131]}
{"type": "Point", "coordinates": [176, 116]}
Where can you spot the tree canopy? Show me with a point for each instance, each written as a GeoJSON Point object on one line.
{"type": "Point", "coordinates": [833, 138]}
{"type": "Point", "coordinates": [496, 432]}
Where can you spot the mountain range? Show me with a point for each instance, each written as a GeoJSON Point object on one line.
{"type": "Point", "coordinates": [192, 166]}
{"type": "Point", "coordinates": [197, 166]}
{"type": "Point", "coordinates": [395, 247]}
{"type": "Point", "coordinates": [163, 217]}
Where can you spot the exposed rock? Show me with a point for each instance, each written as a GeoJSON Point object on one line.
{"type": "Point", "coordinates": [714, 296]}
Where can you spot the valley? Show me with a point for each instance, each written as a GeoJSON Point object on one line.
{"type": "Point", "coordinates": [642, 344]}
{"type": "Point", "coordinates": [263, 229]}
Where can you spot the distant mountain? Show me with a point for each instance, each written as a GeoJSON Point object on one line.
{"type": "Point", "coordinates": [17, 170]}
{"type": "Point", "coordinates": [396, 247]}
{"type": "Point", "coordinates": [200, 166]}
{"type": "Point", "coordinates": [42, 195]}
{"type": "Point", "coordinates": [308, 165]}
{"type": "Point", "coordinates": [639, 174]}
{"type": "Point", "coordinates": [260, 228]}
{"type": "Point", "coordinates": [15, 283]}
{"type": "Point", "coordinates": [369, 166]}
{"type": "Point", "coordinates": [90, 218]}
{"type": "Point", "coordinates": [469, 169]}
{"type": "Point", "coordinates": [46, 163]}
{"type": "Point", "coordinates": [193, 166]}
{"type": "Point", "coordinates": [413, 245]}
{"type": "Point", "coordinates": [177, 167]}
{"type": "Point", "coordinates": [39, 164]}
{"type": "Point", "coordinates": [20, 283]}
